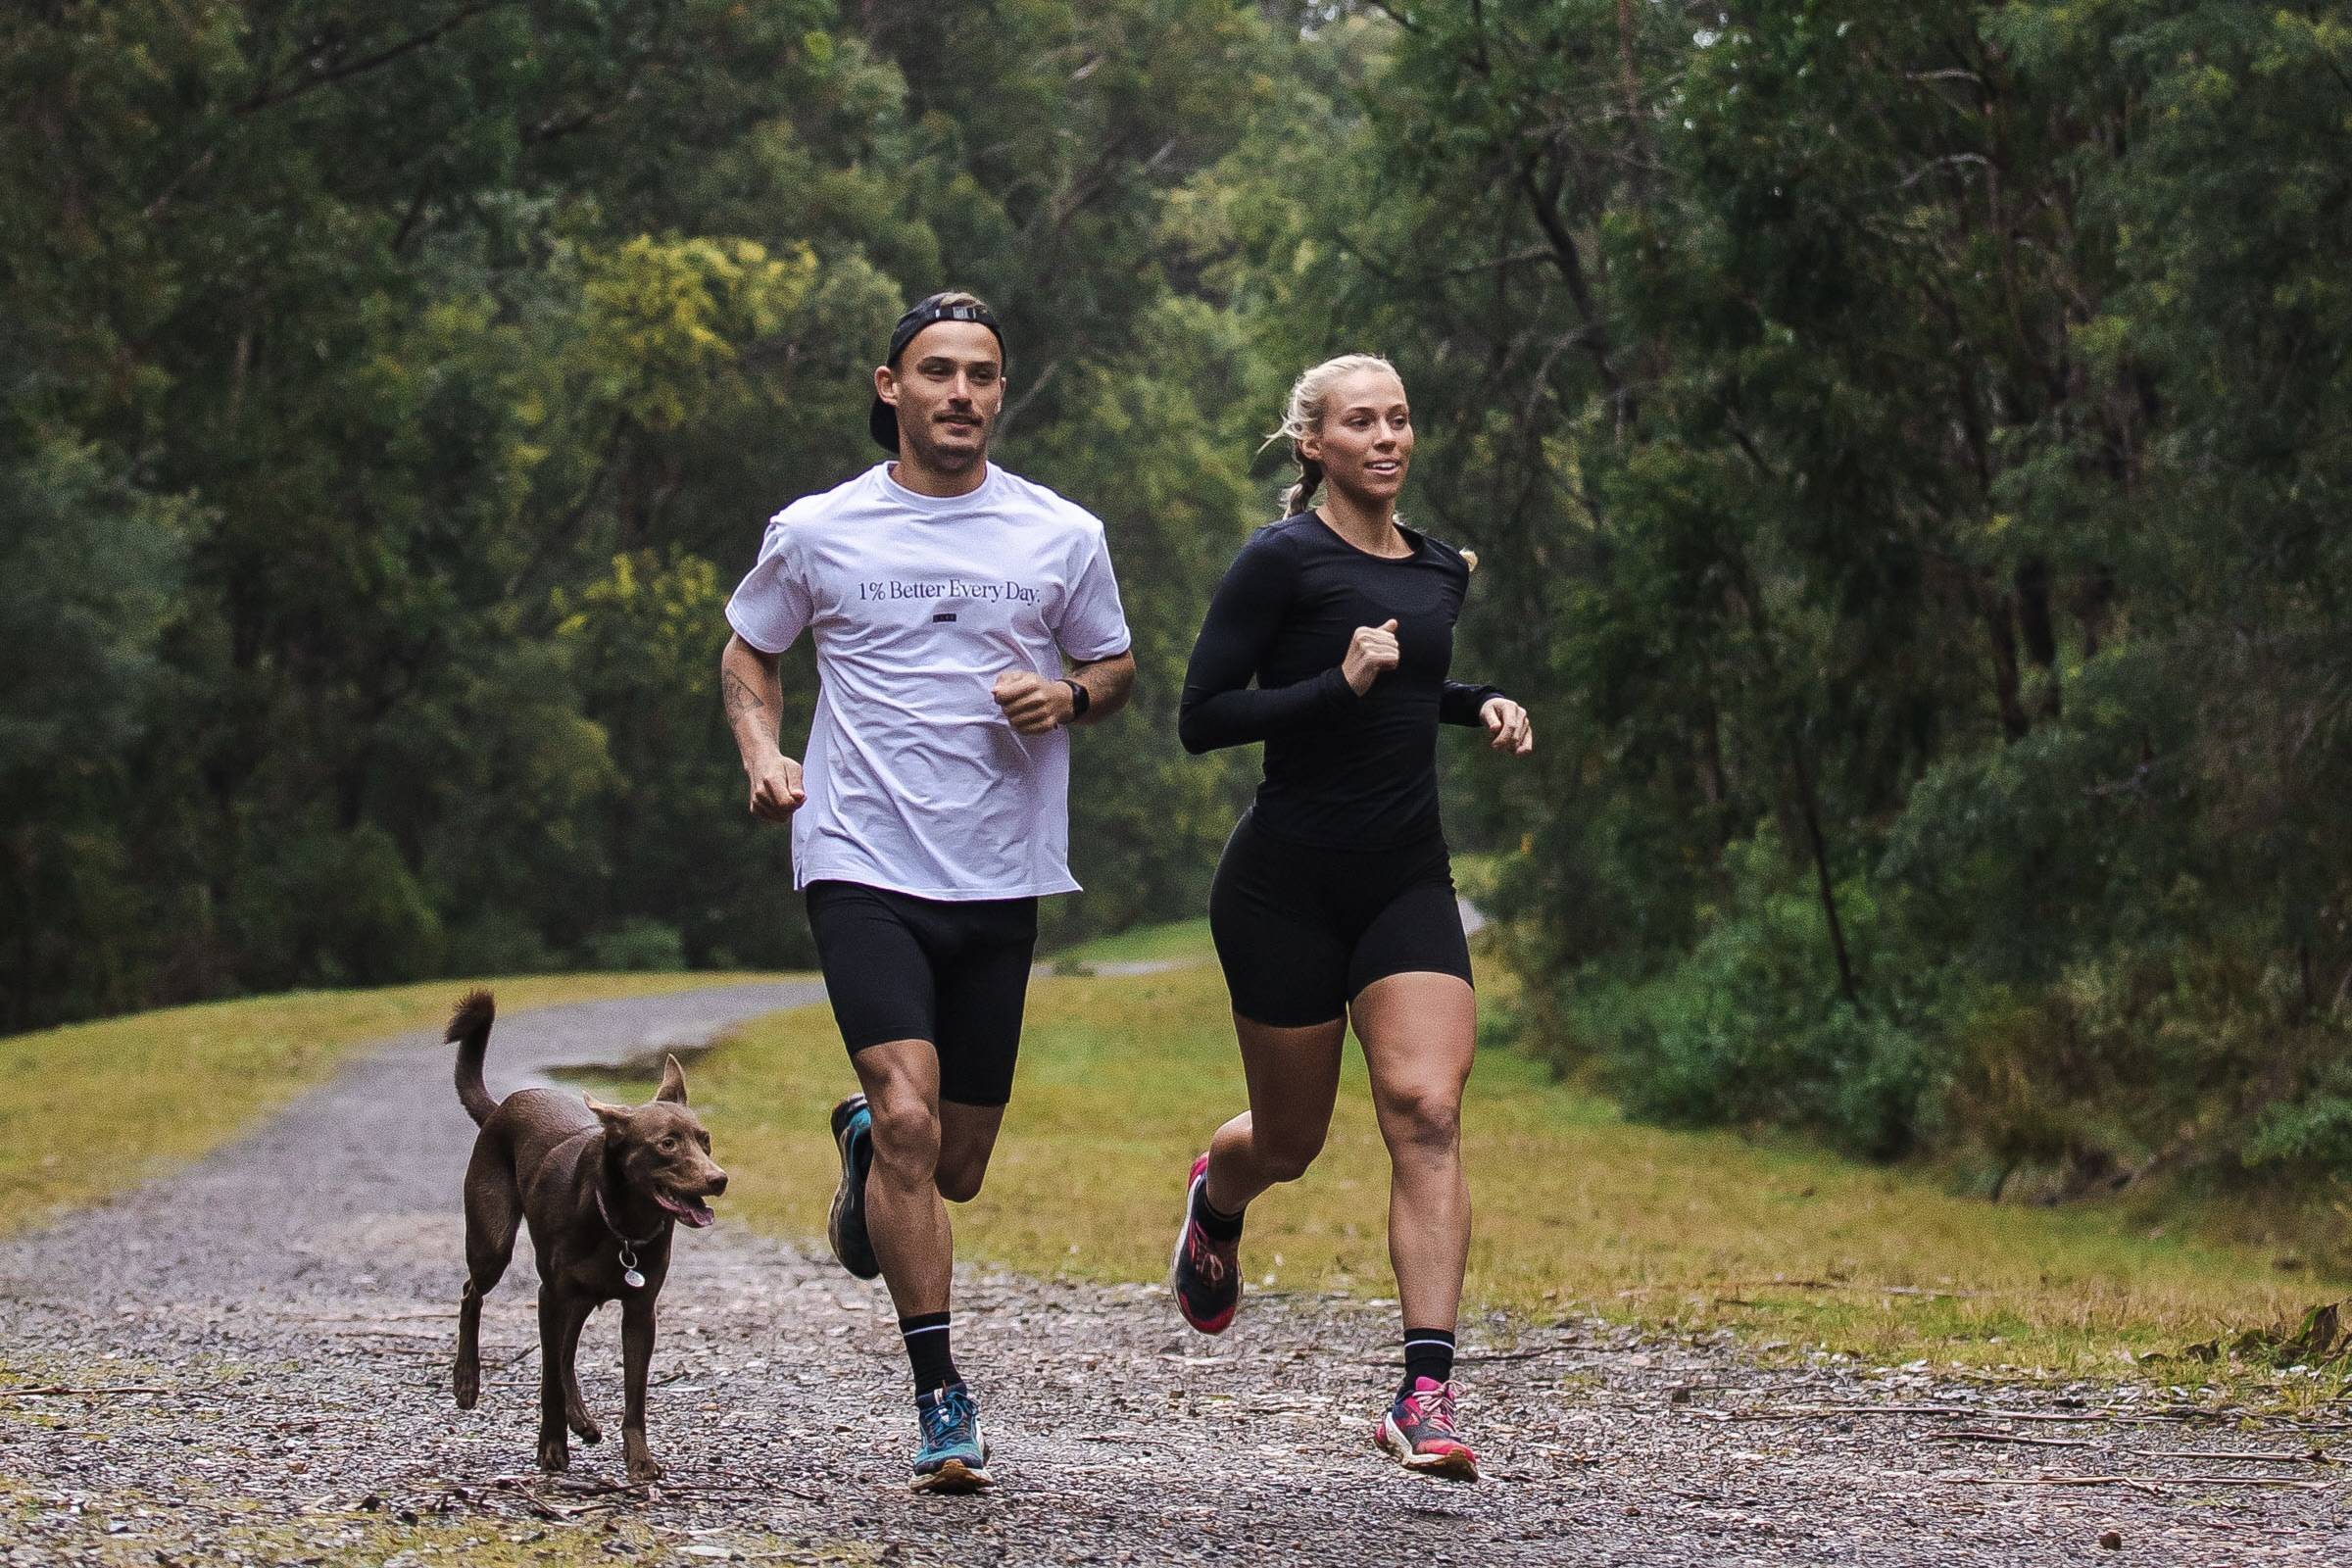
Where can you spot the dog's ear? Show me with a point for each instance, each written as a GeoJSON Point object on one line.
{"type": "Point", "coordinates": [674, 1082]}
{"type": "Point", "coordinates": [614, 1117]}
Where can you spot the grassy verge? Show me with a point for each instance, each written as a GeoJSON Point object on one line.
{"type": "Point", "coordinates": [155, 1529]}
{"type": "Point", "coordinates": [1577, 1211]}
{"type": "Point", "coordinates": [96, 1107]}
{"type": "Point", "coordinates": [1150, 944]}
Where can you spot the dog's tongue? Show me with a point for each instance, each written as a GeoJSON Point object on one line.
{"type": "Point", "coordinates": [697, 1214]}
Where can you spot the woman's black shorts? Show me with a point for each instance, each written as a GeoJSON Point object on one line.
{"type": "Point", "coordinates": [1302, 930]}
{"type": "Point", "coordinates": [954, 973]}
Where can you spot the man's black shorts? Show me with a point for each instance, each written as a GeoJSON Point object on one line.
{"type": "Point", "coordinates": [954, 973]}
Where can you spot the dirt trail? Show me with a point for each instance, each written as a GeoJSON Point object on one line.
{"type": "Point", "coordinates": [275, 1322]}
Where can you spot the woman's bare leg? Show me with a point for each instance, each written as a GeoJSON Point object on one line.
{"type": "Point", "coordinates": [1294, 1080]}
{"type": "Point", "coordinates": [1419, 1031]}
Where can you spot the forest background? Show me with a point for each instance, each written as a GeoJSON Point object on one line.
{"type": "Point", "coordinates": [1907, 447]}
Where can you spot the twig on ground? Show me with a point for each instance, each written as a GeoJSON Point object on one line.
{"type": "Point", "coordinates": [2250, 1480]}
{"type": "Point", "coordinates": [1481, 1356]}
{"type": "Point", "coordinates": [2135, 1483]}
{"type": "Point", "coordinates": [1976, 1435]}
{"type": "Point", "coordinates": [1862, 1286]}
{"type": "Point", "coordinates": [1800, 1412]}
{"type": "Point", "coordinates": [2148, 1484]}
{"type": "Point", "coordinates": [2104, 1416]}
{"type": "Point", "coordinates": [60, 1391]}
{"type": "Point", "coordinates": [528, 1486]}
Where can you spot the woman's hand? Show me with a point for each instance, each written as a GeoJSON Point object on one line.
{"type": "Point", "coordinates": [1507, 723]}
{"type": "Point", "coordinates": [1370, 652]}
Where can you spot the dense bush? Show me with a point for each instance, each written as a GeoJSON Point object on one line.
{"type": "Point", "coordinates": [638, 945]}
{"type": "Point", "coordinates": [1737, 1032]}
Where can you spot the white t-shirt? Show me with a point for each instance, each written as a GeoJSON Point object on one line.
{"type": "Point", "coordinates": [916, 782]}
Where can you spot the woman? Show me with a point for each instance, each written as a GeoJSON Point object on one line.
{"type": "Point", "coordinates": [1335, 897]}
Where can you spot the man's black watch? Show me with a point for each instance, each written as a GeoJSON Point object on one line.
{"type": "Point", "coordinates": [1079, 698]}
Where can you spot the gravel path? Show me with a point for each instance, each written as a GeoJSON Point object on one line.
{"type": "Point", "coordinates": [272, 1331]}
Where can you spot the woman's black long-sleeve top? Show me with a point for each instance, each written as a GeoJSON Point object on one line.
{"type": "Point", "coordinates": [1341, 769]}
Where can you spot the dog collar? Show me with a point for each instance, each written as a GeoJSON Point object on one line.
{"type": "Point", "coordinates": [629, 1275]}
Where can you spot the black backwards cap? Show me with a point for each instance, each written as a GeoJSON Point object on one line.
{"type": "Point", "coordinates": [882, 420]}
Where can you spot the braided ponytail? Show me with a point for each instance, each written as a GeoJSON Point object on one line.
{"type": "Point", "coordinates": [1303, 417]}
{"type": "Point", "coordinates": [1302, 494]}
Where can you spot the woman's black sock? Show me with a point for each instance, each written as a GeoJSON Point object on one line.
{"type": "Point", "coordinates": [1220, 1227]}
{"type": "Point", "coordinates": [1428, 1353]}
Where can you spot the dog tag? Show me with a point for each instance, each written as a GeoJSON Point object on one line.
{"type": "Point", "coordinates": [632, 1279]}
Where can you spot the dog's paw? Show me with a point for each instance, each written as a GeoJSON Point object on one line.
{"type": "Point", "coordinates": [554, 1456]}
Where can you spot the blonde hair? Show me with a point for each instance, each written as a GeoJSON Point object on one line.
{"type": "Point", "coordinates": [1303, 417]}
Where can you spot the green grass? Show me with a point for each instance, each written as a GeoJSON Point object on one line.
{"type": "Point", "coordinates": [95, 1107]}
{"type": "Point", "coordinates": [1123, 1080]}
{"type": "Point", "coordinates": [1476, 871]}
{"type": "Point", "coordinates": [1184, 939]}
{"type": "Point", "coordinates": [158, 1530]}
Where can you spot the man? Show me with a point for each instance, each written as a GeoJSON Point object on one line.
{"type": "Point", "coordinates": [931, 812]}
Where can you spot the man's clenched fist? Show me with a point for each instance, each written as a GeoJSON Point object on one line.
{"type": "Point", "coordinates": [776, 791]}
{"type": "Point", "coordinates": [1032, 703]}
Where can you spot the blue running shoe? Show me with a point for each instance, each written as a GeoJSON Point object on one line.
{"type": "Point", "coordinates": [854, 1136]}
{"type": "Point", "coordinates": [954, 1456]}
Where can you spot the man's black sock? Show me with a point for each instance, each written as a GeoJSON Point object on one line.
{"type": "Point", "coordinates": [926, 1340]}
{"type": "Point", "coordinates": [1428, 1353]}
{"type": "Point", "coordinates": [1220, 1227]}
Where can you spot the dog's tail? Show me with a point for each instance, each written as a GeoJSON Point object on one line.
{"type": "Point", "coordinates": [469, 1032]}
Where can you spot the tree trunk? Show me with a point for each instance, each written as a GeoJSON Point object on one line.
{"type": "Point", "coordinates": [1810, 808]}
{"type": "Point", "coordinates": [1636, 141]}
{"type": "Point", "coordinates": [2001, 626]}
{"type": "Point", "coordinates": [2040, 631]}
{"type": "Point", "coordinates": [1712, 780]}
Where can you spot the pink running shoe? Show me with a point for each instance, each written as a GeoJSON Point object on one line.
{"type": "Point", "coordinates": [1205, 1273]}
{"type": "Point", "coordinates": [1418, 1430]}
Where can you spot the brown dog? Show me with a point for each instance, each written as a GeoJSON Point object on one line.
{"type": "Point", "coordinates": [603, 1186]}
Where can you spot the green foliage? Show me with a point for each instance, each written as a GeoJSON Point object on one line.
{"type": "Point", "coordinates": [1909, 451]}
{"type": "Point", "coordinates": [89, 567]}
{"type": "Point", "coordinates": [391, 399]}
{"type": "Point", "coordinates": [335, 909]}
{"type": "Point", "coordinates": [2310, 1135]}
{"type": "Point", "coordinates": [638, 945]}
{"type": "Point", "coordinates": [1736, 1032]}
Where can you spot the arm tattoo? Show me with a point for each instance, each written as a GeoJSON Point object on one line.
{"type": "Point", "coordinates": [737, 697]}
